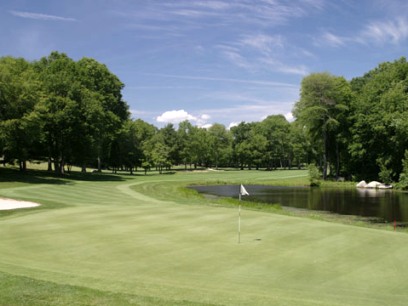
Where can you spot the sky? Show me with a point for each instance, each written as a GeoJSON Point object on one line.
{"type": "Point", "coordinates": [214, 61]}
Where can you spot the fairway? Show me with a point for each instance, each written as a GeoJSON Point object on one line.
{"type": "Point", "coordinates": [144, 242]}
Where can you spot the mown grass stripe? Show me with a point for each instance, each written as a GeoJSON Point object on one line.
{"type": "Point", "coordinates": [132, 237]}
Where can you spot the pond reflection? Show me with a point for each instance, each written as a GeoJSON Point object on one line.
{"type": "Point", "coordinates": [382, 205]}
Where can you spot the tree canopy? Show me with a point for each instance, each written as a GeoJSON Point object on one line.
{"type": "Point", "coordinates": [69, 112]}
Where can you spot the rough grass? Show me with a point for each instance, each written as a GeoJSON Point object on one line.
{"type": "Point", "coordinates": [144, 240]}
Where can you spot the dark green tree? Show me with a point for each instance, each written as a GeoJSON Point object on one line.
{"type": "Point", "coordinates": [220, 144]}
{"type": "Point", "coordinates": [275, 129]}
{"type": "Point", "coordinates": [379, 130]}
{"type": "Point", "coordinates": [323, 105]}
{"type": "Point", "coordinates": [19, 93]}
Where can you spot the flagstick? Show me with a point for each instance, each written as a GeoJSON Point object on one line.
{"type": "Point", "coordinates": [242, 191]}
{"type": "Point", "coordinates": [239, 223]}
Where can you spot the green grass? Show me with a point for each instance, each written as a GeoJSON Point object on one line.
{"type": "Point", "coordinates": [145, 240]}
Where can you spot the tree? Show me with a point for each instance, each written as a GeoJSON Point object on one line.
{"type": "Point", "coordinates": [240, 146]}
{"type": "Point", "coordinates": [184, 138]}
{"type": "Point", "coordinates": [107, 88]}
{"type": "Point", "coordinates": [19, 93]}
{"type": "Point", "coordinates": [379, 119]}
{"type": "Point", "coordinates": [324, 101]}
{"type": "Point", "coordinates": [57, 108]}
{"type": "Point", "coordinates": [300, 144]}
{"type": "Point", "coordinates": [81, 109]}
{"type": "Point", "coordinates": [200, 147]}
{"type": "Point", "coordinates": [220, 141]}
{"type": "Point", "coordinates": [172, 142]}
{"type": "Point", "coordinates": [249, 145]}
{"type": "Point", "coordinates": [157, 153]}
{"type": "Point", "coordinates": [276, 130]}
{"type": "Point", "coordinates": [129, 143]}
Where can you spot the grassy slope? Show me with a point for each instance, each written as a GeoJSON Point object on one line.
{"type": "Point", "coordinates": [130, 241]}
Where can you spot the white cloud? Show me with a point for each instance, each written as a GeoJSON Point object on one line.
{"type": "Point", "coordinates": [227, 80]}
{"type": "Point", "coordinates": [376, 32]}
{"type": "Point", "coordinates": [296, 70]}
{"type": "Point", "coordinates": [289, 117]}
{"type": "Point", "coordinates": [203, 120]}
{"type": "Point", "coordinates": [205, 117]}
{"type": "Point", "coordinates": [175, 116]}
{"type": "Point", "coordinates": [234, 56]}
{"type": "Point", "coordinates": [263, 43]}
{"type": "Point", "coordinates": [384, 31]}
{"type": "Point", "coordinates": [333, 40]}
{"type": "Point", "coordinates": [39, 16]}
{"type": "Point", "coordinates": [206, 126]}
{"type": "Point", "coordinates": [232, 124]}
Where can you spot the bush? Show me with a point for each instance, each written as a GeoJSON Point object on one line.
{"type": "Point", "coordinates": [314, 175]}
{"type": "Point", "coordinates": [385, 174]}
{"type": "Point", "coordinates": [403, 179]}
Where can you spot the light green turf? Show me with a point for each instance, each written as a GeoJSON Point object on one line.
{"type": "Point", "coordinates": [142, 236]}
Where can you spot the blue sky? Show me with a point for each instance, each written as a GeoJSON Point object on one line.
{"type": "Point", "coordinates": [223, 61]}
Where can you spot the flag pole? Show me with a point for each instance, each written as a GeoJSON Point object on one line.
{"type": "Point", "coordinates": [239, 215]}
{"type": "Point", "coordinates": [242, 191]}
{"type": "Point", "coordinates": [239, 224]}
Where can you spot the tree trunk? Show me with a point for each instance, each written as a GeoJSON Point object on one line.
{"type": "Point", "coordinates": [324, 155]}
{"type": "Point", "coordinates": [22, 165]}
{"type": "Point", "coordinates": [49, 164]}
{"type": "Point", "coordinates": [99, 164]}
{"type": "Point", "coordinates": [62, 167]}
{"type": "Point", "coordinates": [337, 161]}
{"type": "Point", "coordinates": [56, 166]}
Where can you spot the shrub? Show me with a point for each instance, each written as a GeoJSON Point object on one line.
{"type": "Point", "coordinates": [385, 174]}
{"type": "Point", "coordinates": [314, 175]}
{"type": "Point", "coordinates": [403, 178]}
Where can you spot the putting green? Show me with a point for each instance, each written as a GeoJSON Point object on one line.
{"type": "Point", "coordinates": [139, 236]}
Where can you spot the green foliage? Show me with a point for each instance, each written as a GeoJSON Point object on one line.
{"type": "Point", "coordinates": [322, 110]}
{"type": "Point", "coordinates": [60, 110]}
{"type": "Point", "coordinates": [379, 115]}
{"type": "Point", "coordinates": [314, 175]}
{"type": "Point", "coordinates": [72, 113]}
{"type": "Point", "coordinates": [385, 174]}
{"type": "Point", "coordinates": [403, 178]}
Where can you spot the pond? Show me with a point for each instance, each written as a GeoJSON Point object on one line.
{"type": "Point", "coordinates": [376, 204]}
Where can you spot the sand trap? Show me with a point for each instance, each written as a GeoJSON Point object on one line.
{"type": "Point", "coordinates": [7, 204]}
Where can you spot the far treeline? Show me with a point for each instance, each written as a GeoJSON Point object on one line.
{"type": "Point", "coordinates": [70, 112]}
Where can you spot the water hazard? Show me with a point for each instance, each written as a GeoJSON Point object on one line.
{"type": "Point", "coordinates": [377, 205]}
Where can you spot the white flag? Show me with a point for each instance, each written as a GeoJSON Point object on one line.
{"type": "Point", "coordinates": [243, 191]}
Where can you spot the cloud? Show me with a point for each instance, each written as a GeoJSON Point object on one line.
{"type": "Point", "coordinates": [229, 80]}
{"type": "Point", "coordinates": [263, 43]}
{"type": "Point", "coordinates": [375, 32]}
{"type": "Point", "coordinates": [234, 56]}
{"type": "Point", "coordinates": [39, 16]}
{"type": "Point", "coordinates": [177, 116]}
{"type": "Point", "coordinates": [301, 70]}
{"type": "Point", "coordinates": [260, 52]}
{"type": "Point", "coordinates": [289, 117]}
{"type": "Point", "coordinates": [232, 124]}
{"type": "Point", "coordinates": [385, 31]}
{"type": "Point", "coordinates": [333, 40]}
{"type": "Point", "coordinates": [252, 112]}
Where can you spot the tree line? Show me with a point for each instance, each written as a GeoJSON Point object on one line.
{"type": "Point", "coordinates": [70, 112]}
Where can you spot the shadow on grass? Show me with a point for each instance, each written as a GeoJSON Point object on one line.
{"type": "Point", "coordinates": [22, 290]}
{"type": "Point", "coordinates": [14, 176]}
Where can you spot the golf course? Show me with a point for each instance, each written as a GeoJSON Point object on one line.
{"type": "Point", "coordinates": [102, 239]}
